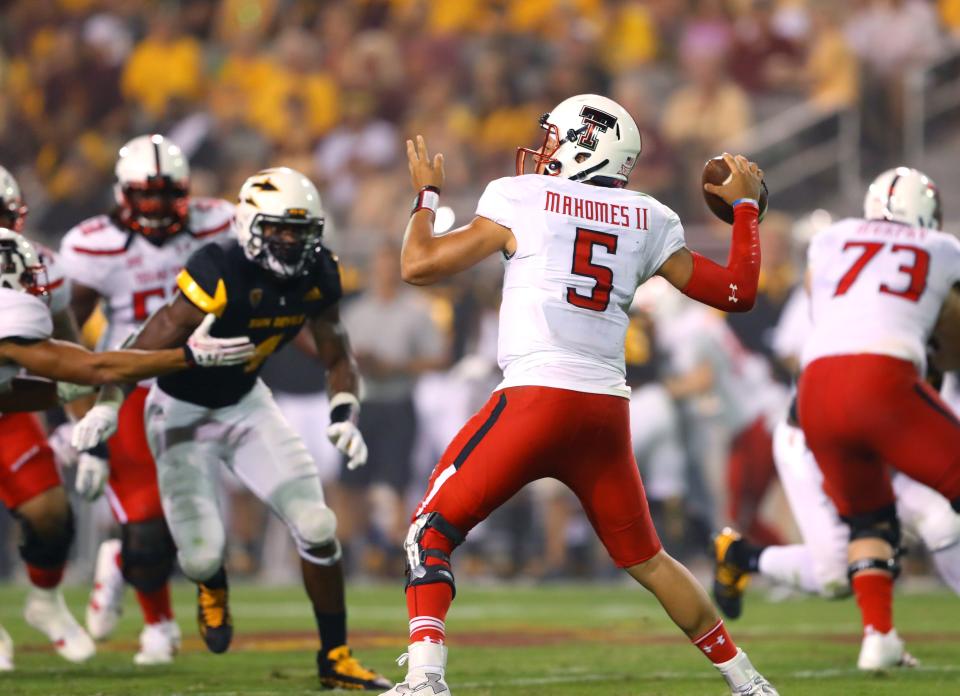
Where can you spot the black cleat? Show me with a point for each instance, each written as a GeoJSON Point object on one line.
{"type": "Point", "coordinates": [339, 669]}
{"type": "Point", "coordinates": [213, 618]}
{"type": "Point", "coordinates": [729, 580]}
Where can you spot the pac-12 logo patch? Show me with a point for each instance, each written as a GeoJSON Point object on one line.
{"type": "Point", "coordinates": [594, 119]}
{"type": "Point", "coordinates": [255, 296]}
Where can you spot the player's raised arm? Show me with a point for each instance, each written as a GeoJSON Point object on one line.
{"type": "Point", "coordinates": [425, 259]}
{"type": "Point", "coordinates": [731, 288]}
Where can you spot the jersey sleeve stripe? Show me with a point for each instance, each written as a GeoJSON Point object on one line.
{"type": "Point", "coordinates": [198, 296]}
{"type": "Point", "coordinates": [98, 252]}
{"type": "Point", "coordinates": [213, 230]}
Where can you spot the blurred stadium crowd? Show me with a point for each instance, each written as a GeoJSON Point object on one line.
{"type": "Point", "coordinates": [331, 88]}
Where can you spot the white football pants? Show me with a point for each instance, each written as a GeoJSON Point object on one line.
{"type": "Point", "coordinates": [655, 431]}
{"type": "Point", "coordinates": [819, 564]}
{"type": "Point", "coordinates": [255, 441]}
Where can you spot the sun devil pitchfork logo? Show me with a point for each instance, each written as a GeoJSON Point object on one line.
{"type": "Point", "coordinates": [592, 120]}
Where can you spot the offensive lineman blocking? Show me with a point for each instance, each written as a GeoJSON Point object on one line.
{"type": "Point", "coordinates": [576, 246]}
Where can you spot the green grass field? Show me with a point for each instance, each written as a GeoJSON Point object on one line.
{"type": "Point", "coordinates": [563, 640]}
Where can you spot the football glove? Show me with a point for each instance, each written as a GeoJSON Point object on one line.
{"type": "Point", "coordinates": [92, 475]}
{"type": "Point", "coordinates": [343, 431]}
{"type": "Point", "coordinates": [205, 350]}
{"type": "Point", "coordinates": [97, 426]}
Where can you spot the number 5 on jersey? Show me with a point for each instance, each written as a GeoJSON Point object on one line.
{"type": "Point", "coordinates": [583, 265]}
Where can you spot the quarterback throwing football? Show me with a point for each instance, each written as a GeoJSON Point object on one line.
{"type": "Point", "coordinates": [576, 246]}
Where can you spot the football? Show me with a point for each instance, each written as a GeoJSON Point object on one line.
{"type": "Point", "coordinates": [716, 171]}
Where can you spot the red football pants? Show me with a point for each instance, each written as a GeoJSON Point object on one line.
{"type": "Point", "coordinates": [527, 433]}
{"type": "Point", "coordinates": [27, 465]}
{"type": "Point", "coordinates": [862, 412]}
{"type": "Point", "coordinates": [750, 473]}
{"type": "Point", "coordinates": [132, 489]}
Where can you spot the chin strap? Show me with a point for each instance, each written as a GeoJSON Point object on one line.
{"type": "Point", "coordinates": [731, 288]}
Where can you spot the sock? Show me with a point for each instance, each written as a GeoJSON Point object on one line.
{"type": "Point", "coordinates": [44, 578]}
{"type": "Point", "coordinates": [717, 644]}
{"type": "Point", "coordinates": [156, 605]}
{"type": "Point", "coordinates": [745, 555]}
{"type": "Point", "coordinates": [217, 581]}
{"type": "Point", "coordinates": [427, 605]}
{"type": "Point", "coordinates": [874, 592]}
{"type": "Point", "coordinates": [332, 629]}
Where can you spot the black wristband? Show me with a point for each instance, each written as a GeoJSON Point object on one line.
{"type": "Point", "coordinates": [99, 450]}
{"type": "Point", "coordinates": [341, 413]}
{"type": "Point", "coordinates": [189, 357]}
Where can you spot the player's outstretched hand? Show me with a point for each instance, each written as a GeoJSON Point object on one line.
{"type": "Point", "coordinates": [347, 438]}
{"type": "Point", "coordinates": [99, 423]}
{"type": "Point", "coordinates": [92, 475]}
{"type": "Point", "coordinates": [423, 170]}
{"type": "Point", "coordinates": [743, 182]}
{"type": "Point", "coordinates": [205, 350]}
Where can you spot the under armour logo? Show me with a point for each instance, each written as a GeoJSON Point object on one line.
{"type": "Point", "coordinates": [433, 681]}
{"type": "Point", "coordinates": [709, 648]}
{"type": "Point", "coordinates": [733, 294]}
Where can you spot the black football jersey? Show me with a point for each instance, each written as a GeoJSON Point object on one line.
{"type": "Point", "coordinates": [248, 301]}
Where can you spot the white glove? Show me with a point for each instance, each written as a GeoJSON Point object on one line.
{"type": "Point", "coordinates": [347, 438]}
{"type": "Point", "coordinates": [60, 442]}
{"type": "Point", "coordinates": [67, 391]}
{"type": "Point", "coordinates": [92, 475]}
{"type": "Point", "coordinates": [95, 427]}
{"type": "Point", "coordinates": [205, 350]}
{"type": "Point", "coordinates": [343, 432]}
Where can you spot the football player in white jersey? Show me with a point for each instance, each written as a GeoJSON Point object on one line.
{"type": "Point", "coordinates": [818, 565]}
{"type": "Point", "coordinates": [576, 245]}
{"type": "Point", "coordinates": [877, 286]}
{"type": "Point", "coordinates": [129, 259]}
{"type": "Point", "coordinates": [29, 483]}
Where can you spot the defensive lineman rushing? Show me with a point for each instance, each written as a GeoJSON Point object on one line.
{"type": "Point", "coordinates": [130, 259]}
{"type": "Point", "coordinates": [576, 246]}
{"type": "Point", "coordinates": [877, 286]}
{"type": "Point", "coordinates": [277, 279]}
{"type": "Point", "coordinates": [25, 342]}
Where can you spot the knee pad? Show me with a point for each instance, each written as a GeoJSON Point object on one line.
{"type": "Point", "coordinates": [881, 524]}
{"type": "Point", "coordinates": [419, 571]}
{"type": "Point", "coordinates": [200, 563]}
{"type": "Point", "coordinates": [147, 553]}
{"type": "Point", "coordinates": [47, 549]}
{"type": "Point", "coordinates": [939, 528]}
{"type": "Point", "coordinates": [313, 526]}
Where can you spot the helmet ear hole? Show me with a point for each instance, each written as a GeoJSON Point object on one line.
{"type": "Point", "coordinates": [582, 157]}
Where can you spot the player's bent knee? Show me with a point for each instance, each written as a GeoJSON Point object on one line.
{"type": "Point", "coordinates": [426, 563]}
{"type": "Point", "coordinates": [314, 526]}
{"type": "Point", "coordinates": [46, 546]}
{"type": "Point", "coordinates": [882, 525]}
{"type": "Point", "coordinates": [940, 528]}
{"type": "Point", "coordinates": [147, 554]}
{"type": "Point", "coordinates": [200, 564]}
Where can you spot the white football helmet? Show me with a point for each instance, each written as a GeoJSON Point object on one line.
{"type": "Point", "coordinates": [152, 188]}
{"type": "Point", "coordinates": [20, 265]}
{"type": "Point", "coordinates": [904, 195]}
{"type": "Point", "coordinates": [13, 210]}
{"type": "Point", "coordinates": [587, 137]}
{"type": "Point", "coordinates": [279, 220]}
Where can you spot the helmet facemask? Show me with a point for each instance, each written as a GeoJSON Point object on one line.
{"type": "Point", "coordinates": [13, 215]}
{"type": "Point", "coordinates": [543, 160]}
{"type": "Point", "coordinates": [157, 209]}
{"type": "Point", "coordinates": [285, 245]}
{"type": "Point", "coordinates": [30, 273]}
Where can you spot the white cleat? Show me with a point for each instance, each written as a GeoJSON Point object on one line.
{"type": "Point", "coordinates": [6, 651]}
{"type": "Point", "coordinates": [743, 678]}
{"type": "Point", "coordinates": [47, 612]}
{"type": "Point", "coordinates": [880, 651]}
{"type": "Point", "coordinates": [106, 598]}
{"type": "Point", "coordinates": [426, 663]}
{"type": "Point", "coordinates": [159, 643]}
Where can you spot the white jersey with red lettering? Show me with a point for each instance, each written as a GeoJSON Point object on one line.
{"type": "Point", "coordinates": [133, 276]}
{"type": "Point", "coordinates": [21, 316]}
{"type": "Point", "coordinates": [582, 251]}
{"type": "Point", "coordinates": [878, 287]}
